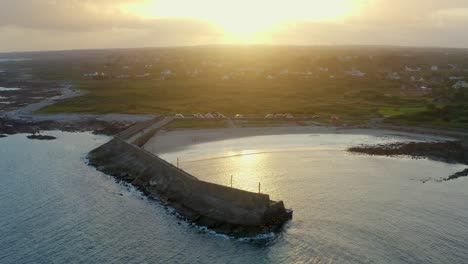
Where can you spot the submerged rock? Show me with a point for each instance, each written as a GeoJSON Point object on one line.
{"type": "Point", "coordinates": [3, 136]}
{"type": "Point", "coordinates": [463, 173]}
{"type": "Point", "coordinates": [41, 137]}
{"type": "Point", "coordinates": [449, 151]}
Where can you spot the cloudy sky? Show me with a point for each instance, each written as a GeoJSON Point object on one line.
{"type": "Point", "coordinates": [81, 24]}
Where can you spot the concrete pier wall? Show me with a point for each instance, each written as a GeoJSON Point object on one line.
{"type": "Point", "coordinates": [217, 202]}
{"type": "Point", "coordinates": [202, 202]}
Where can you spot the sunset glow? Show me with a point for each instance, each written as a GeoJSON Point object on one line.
{"type": "Point", "coordinates": [243, 20]}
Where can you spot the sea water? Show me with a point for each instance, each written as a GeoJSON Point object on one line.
{"type": "Point", "coordinates": [348, 208]}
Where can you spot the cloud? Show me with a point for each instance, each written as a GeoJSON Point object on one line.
{"type": "Point", "coordinates": [66, 15]}
{"type": "Point", "coordinates": [382, 22]}
{"type": "Point", "coordinates": [71, 24]}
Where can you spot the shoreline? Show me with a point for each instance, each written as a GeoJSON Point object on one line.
{"type": "Point", "coordinates": [175, 140]}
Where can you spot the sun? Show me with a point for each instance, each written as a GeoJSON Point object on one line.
{"type": "Point", "coordinates": [245, 19]}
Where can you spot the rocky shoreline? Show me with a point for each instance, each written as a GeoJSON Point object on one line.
{"type": "Point", "coordinates": [15, 126]}
{"type": "Point", "coordinates": [446, 151]}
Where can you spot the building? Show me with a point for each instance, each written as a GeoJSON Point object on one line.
{"type": "Point", "coordinates": [393, 76]}
{"type": "Point", "coordinates": [356, 73]}
{"type": "Point", "coordinates": [409, 69]}
{"type": "Point", "coordinates": [460, 84]}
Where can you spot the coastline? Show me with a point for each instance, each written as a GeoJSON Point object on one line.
{"type": "Point", "coordinates": [174, 140]}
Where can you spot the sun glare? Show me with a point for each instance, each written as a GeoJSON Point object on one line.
{"type": "Point", "coordinates": [245, 20]}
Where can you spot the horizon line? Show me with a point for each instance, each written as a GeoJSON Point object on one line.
{"type": "Point", "coordinates": [243, 45]}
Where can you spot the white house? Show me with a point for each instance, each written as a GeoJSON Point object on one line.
{"type": "Point", "coordinates": [269, 77]}
{"type": "Point", "coordinates": [270, 116]}
{"type": "Point", "coordinates": [456, 78]}
{"type": "Point", "coordinates": [209, 116]}
{"type": "Point", "coordinates": [434, 68]}
{"type": "Point", "coordinates": [91, 75]}
{"type": "Point", "coordinates": [355, 72]}
{"type": "Point", "coordinates": [166, 73]}
{"type": "Point", "coordinates": [143, 75]}
{"type": "Point", "coordinates": [460, 84]}
{"type": "Point", "coordinates": [409, 69]}
{"type": "Point", "coordinates": [123, 76]}
{"type": "Point", "coordinates": [393, 76]}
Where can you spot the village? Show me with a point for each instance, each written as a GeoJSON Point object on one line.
{"type": "Point", "coordinates": [414, 79]}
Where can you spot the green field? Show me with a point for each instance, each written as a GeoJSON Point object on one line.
{"type": "Point", "coordinates": [248, 97]}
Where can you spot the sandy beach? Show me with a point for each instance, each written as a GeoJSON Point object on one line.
{"type": "Point", "coordinates": [176, 140]}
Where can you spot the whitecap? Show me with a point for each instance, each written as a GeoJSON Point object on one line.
{"type": "Point", "coordinates": [4, 89]}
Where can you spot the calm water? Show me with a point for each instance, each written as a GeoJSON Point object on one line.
{"type": "Point", "coordinates": [347, 208]}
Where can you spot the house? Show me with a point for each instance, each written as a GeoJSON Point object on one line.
{"type": "Point", "coordinates": [460, 84]}
{"type": "Point", "coordinates": [226, 77]}
{"type": "Point", "coordinates": [456, 78]}
{"type": "Point", "coordinates": [143, 75]}
{"type": "Point", "coordinates": [209, 116]}
{"type": "Point", "coordinates": [284, 72]}
{"type": "Point", "coordinates": [219, 115]}
{"type": "Point", "coordinates": [91, 75]}
{"type": "Point", "coordinates": [269, 77]}
{"type": "Point", "coordinates": [94, 75]}
{"type": "Point", "coordinates": [356, 73]}
{"type": "Point", "coordinates": [452, 67]}
{"type": "Point", "coordinates": [122, 76]}
{"type": "Point", "coordinates": [198, 115]}
{"type": "Point", "coordinates": [269, 116]}
{"type": "Point", "coordinates": [416, 79]}
{"type": "Point", "coordinates": [409, 69]}
{"type": "Point", "coordinates": [193, 73]}
{"type": "Point", "coordinates": [393, 76]}
{"type": "Point", "coordinates": [166, 74]}
{"type": "Point", "coordinates": [288, 116]}
{"type": "Point", "coordinates": [323, 69]}
{"type": "Point", "coordinates": [425, 88]}
{"type": "Point", "coordinates": [179, 116]}
{"type": "Point", "coordinates": [434, 68]}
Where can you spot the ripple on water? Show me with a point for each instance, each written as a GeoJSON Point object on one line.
{"type": "Point", "coordinates": [347, 209]}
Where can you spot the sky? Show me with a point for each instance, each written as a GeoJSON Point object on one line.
{"type": "Point", "coordinates": [27, 25]}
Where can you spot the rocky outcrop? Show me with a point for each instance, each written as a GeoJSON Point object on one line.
{"type": "Point", "coordinates": [41, 137]}
{"type": "Point", "coordinates": [223, 209]}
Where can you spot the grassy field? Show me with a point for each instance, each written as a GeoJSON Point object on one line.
{"type": "Point", "coordinates": [253, 97]}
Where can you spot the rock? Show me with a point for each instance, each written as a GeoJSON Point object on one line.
{"type": "Point", "coordinates": [463, 173]}
{"type": "Point", "coordinates": [3, 136]}
{"type": "Point", "coordinates": [41, 137]}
